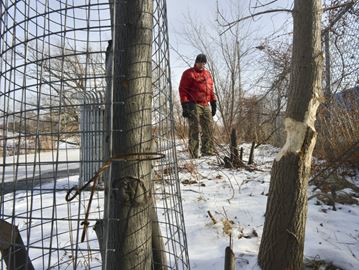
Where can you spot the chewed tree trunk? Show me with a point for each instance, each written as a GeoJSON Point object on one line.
{"type": "Point", "coordinates": [282, 241]}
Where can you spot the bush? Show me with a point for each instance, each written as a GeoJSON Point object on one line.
{"type": "Point", "coordinates": [338, 131]}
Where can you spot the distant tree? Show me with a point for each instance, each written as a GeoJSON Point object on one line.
{"type": "Point", "coordinates": [241, 95]}
{"type": "Point", "coordinates": [69, 78]}
{"type": "Point", "coordinates": [273, 100]}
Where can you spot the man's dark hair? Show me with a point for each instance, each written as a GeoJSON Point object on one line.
{"type": "Point", "coordinates": [201, 58]}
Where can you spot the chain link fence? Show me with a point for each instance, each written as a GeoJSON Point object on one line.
{"type": "Point", "coordinates": [338, 118]}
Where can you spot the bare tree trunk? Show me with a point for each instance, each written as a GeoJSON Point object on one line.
{"type": "Point", "coordinates": [234, 149]}
{"type": "Point", "coordinates": [251, 154]}
{"type": "Point", "coordinates": [229, 259]}
{"type": "Point", "coordinates": [282, 242]}
{"type": "Point", "coordinates": [129, 228]}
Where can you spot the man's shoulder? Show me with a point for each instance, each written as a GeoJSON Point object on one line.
{"type": "Point", "coordinates": [187, 73]}
{"type": "Point", "coordinates": [207, 71]}
{"type": "Point", "coordinates": [189, 70]}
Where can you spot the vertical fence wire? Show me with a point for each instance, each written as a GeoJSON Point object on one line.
{"type": "Point", "coordinates": [53, 131]}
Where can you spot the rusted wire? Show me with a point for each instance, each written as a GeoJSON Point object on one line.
{"type": "Point", "coordinates": [94, 179]}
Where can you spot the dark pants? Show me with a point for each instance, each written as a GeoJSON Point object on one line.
{"type": "Point", "coordinates": [200, 117]}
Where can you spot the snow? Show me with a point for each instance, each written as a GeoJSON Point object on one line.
{"type": "Point", "coordinates": [45, 220]}
{"type": "Point", "coordinates": [236, 198]}
{"type": "Point", "coordinates": [240, 196]}
{"type": "Point", "coordinates": [67, 157]}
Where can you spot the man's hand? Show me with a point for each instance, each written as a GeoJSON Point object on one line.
{"type": "Point", "coordinates": [214, 107]}
{"type": "Point", "coordinates": [187, 108]}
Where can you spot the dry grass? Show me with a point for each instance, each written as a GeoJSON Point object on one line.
{"type": "Point", "coordinates": [318, 264]}
{"type": "Point", "coordinates": [338, 134]}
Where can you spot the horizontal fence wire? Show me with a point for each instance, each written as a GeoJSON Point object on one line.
{"type": "Point", "coordinates": [54, 133]}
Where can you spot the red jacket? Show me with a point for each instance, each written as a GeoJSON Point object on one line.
{"type": "Point", "coordinates": [196, 86]}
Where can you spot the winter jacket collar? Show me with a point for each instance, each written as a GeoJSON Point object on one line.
{"type": "Point", "coordinates": [198, 70]}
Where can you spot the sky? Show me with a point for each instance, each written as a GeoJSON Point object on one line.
{"type": "Point", "coordinates": [204, 13]}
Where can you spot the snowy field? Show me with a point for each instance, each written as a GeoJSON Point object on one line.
{"type": "Point", "coordinates": [236, 199]}
{"type": "Point", "coordinates": [27, 166]}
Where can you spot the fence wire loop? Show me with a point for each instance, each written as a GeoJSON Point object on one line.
{"type": "Point", "coordinates": [75, 191]}
{"type": "Point", "coordinates": [138, 156]}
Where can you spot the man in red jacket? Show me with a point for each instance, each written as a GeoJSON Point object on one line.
{"type": "Point", "coordinates": [196, 93]}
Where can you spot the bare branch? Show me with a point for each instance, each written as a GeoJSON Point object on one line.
{"type": "Point", "coordinates": [265, 4]}
{"type": "Point", "coordinates": [180, 55]}
{"type": "Point", "coordinates": [347, 5]}
{"type": "Point", "coordinates": [231, 24]}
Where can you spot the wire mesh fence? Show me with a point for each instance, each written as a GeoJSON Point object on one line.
{"type": "Point", "coordinates": [340, 43]}
{"type": "Point", "coordinates": [338, 118]}
{"type": "Point", "coordinates": [57, 129]}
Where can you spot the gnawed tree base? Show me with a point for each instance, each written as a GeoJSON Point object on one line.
{"type": "Point", "coordinates": [12, 248]}
{"type": "Point", "coordinates": [282, 242]}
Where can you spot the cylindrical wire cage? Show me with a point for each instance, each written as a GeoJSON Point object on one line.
{"type": "Point", "coordinates": [54, 135]}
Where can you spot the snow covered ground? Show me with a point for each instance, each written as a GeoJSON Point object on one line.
{"type": "Point", "coordinates": [236, 199]}
{"type": "Point", "coordinates": [18, 167]}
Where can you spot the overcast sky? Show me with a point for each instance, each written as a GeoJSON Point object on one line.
{"type": "Point", "coordinates": [203, 11]}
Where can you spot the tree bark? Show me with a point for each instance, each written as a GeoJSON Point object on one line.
{"type": "Point", "coordinates": [229, 259]}
{"type": "Point", "coordinates": [129, 224]}
{"type": "Point", "coordinates": [234, 148]}
{"type": "Point", "coordinates": [251, 154]}
{"type": "Point", "coordinates": [283, 236]}
{"type": "Point", "coordinates": [158, 247]}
